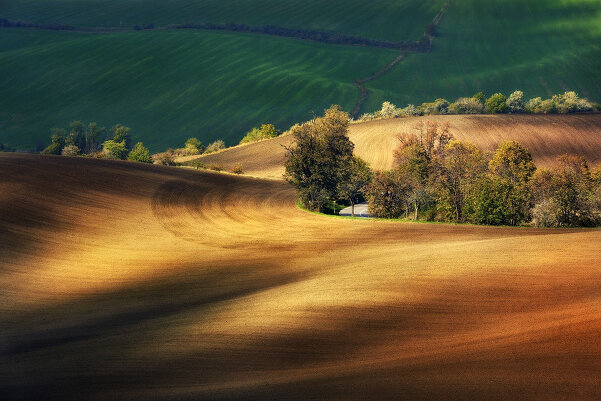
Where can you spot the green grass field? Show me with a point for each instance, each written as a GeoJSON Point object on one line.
{"type": "Point", "coordinates": [169, 86]}
{"type": "Point", "coordinates": [380, 19]}
{"type": "Point", "coordinates": [540, 47]}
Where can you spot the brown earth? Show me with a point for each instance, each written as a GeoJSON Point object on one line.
{"type": "Point", "coordinates": [545, 136]}
{"type": "Point", "coordinates": [127, 281]}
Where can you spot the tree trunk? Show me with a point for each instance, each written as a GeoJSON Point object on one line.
{"type": "Point", "coordinates": [352, 207]}
{"type": "Point", "coordinates": [415, 215]}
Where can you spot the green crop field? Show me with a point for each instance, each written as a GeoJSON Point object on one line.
{"type": "Point", "coordinates": [540, 47]}
{"type": "Point", "coordinates": [172, 84]}
{"type": "Point", "coordinates": [380, 19]}
{"type": "Point", "coordinates": [169, 85]}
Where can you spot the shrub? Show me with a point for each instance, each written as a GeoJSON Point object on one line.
{"type": "Point", "coordinates": [569, 102]}
{"type": "Point", "coordinates": [215, 146]}
{"type": "Point", "coordinates": [466, 105]}
{"type": "Point", "coordinates": [57, 139]}
{"type": "Point", "coordinates": [439, 106]}
{"type": "Point", "coordinates": [411, 110]}
{"type": "Point", "coordinates": [215, 167]}
{"type": "Point", "coordinates": [70, 150]}
{"type": "Point", "coordinates": [533, 104]}
{"type": "Point", "coordinates": [164, 159]}
{"type": "Point", "coordinates": [140, 154]}
{"type": "Point", "coordinates": [515, 102]}
{"type": "Point", "coordinates": [237, 169]}
{"type": "Point", "coordinates": [266, 131]}
{"type": "Point", "coordinates": [115, 150]}
{"type": "Point", "coordinates": [480, 97]}
{"type": "Point", "coordinates": [389, 110]}
{"type": "Point", "coordinates": [193, 146]}
{"type": "Point", "coordinates": [496, 104]}
{"type": "Point", "coordinates": [197, 164]}
{"type": "Point", "coordinates": [547, 106]}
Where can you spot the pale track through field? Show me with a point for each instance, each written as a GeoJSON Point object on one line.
{"type": "Point", "coordinates": [545, 136]}
{"type": "Point", "coordinates": [127, 281]}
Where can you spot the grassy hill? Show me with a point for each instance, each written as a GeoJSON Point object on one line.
{"type": "Point", "coordinates": [168, 85]}
{"type": "Point", "coordinates": [390, 20]}
{"type": "Point", "coordinates": [545, 136]}
{"type": "Point", "coordinates": [158, 283]}
{"type": "Point", "coordinates": [540, 47]}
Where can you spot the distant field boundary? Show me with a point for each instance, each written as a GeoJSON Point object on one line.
{"type": "Point", "coordinates": [426, 41]}
{"type": "Point", "coordinates": [422, 45]}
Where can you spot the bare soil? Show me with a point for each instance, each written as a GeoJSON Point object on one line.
{"type": "Point", "coordinates": [546, 136]}
{"type": "Point", "coordinates": [126, 281]}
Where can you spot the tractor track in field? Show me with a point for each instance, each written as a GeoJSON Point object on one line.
{"type": "Point", "coordinates": [427, 39]}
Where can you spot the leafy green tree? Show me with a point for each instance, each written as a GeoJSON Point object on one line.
{"type": "Point", "coordinates": [94, 137]}
{"type": "Point", "coordinates": [115, 150]}
{"type": "Point", "coordinates": [122, 133]}
{"type": "Point", "coordinates": [480, 97]}
{"type": "Point", "coordinates": [77, 135]}
{"type": "Point", "coordinates": [57, 144]}
{"type": "Point", "coordinates": [573, 189]}
{"type": "Point", "coordinates": [515, 102]}
{"type": "Point", "coordinates": [387, 196]}
{"type": "Point", "coordinates": [488, 200]}
{"type": "Point", "coordinates": [140, 154]}
{"type": "Point", "coordinates": [454, 175]}
{"type": "Point", "coordinates": [193, 146]}
{"type": "Point", "coordinates": [354, 181]}
{"type": "Point", "coordinates": [319, 157]}
{"type": "Point", "coordinates": [497, 103]}
{"type": "Point", "coordinates": [512, 164]}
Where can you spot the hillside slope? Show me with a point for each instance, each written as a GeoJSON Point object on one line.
{"type": "Point", "coordinates": [545, 136]}
{"type": "Point", "coordinates": [539, 47]}
{"type": "Point", "coordinates": [129, 281]}
{"type": "Point", "coordinates": [351, 17]}
{"type": "Point", "coordinates": [169, 86]}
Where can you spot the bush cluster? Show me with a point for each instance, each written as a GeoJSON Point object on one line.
{"type": "Point", "coordinates": [265, 131]}
{"type": "Point", "coordinates": [91, 141]}
{"type": "Point", "coordinates": [440, 179]}
{"type": "Point", "coordinates": [568, 102]}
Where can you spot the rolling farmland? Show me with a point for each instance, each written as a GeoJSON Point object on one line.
{"type": "Point", "coordinates": [545, 136]}
{"type": "Point", "coordinates": [157, 283]}
{"type": "Point", "coordinates": [170, 85]}
{"type": "Point", "coordinates": [539, 47]}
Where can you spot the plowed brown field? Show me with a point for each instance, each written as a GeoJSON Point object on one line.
{"type": "Point", "coordinates": [545, 136]}
{"type": "Point", "coordinates": [127, 281]}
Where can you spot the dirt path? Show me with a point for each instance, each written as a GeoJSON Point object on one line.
{"type": "Point", "coordinates": [428, 37]}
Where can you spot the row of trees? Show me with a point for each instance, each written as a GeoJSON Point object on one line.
{"type": "Point", "coordinates": [568, 102]}
{"type": "Point", "coordinates": [422, 45]}
{"type": "Point", "coordinates": [92, 141]}
{"type": "Point", "coordinates": [438, 178]}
